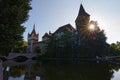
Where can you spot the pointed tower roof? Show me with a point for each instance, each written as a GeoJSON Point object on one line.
{"type": "Point", "coordinates": [33, 31]}
{"type": "Point", "coordinates": [82, 11]}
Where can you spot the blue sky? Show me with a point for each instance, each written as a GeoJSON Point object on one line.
{"type": "Point", "coordinates": [48, 15]}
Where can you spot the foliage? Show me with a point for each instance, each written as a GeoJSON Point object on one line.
{"type": "Point", "coordinates": [21, 47]}
{"type": "Point", "coordinates": [12, 15]}
{"type": "Point", "coordinates": [94, 41]}
{"type": "Point", "coordinates": [114, 48]}
{"type": "Point", "coordinates": [16, 71]}
{"type": "Point", "coordinates": [60, 47]}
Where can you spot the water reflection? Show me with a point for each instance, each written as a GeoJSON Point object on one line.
{"type": "Point", "coordinates": [62, 70]}
{"type": "Point", "coordinates": [76, 71]}
{"type": "Point", "coordinates": [116, 75]}
{"type": "Point", "coordinates": [1, 70]}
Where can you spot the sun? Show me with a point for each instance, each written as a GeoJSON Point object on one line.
{"type": "Point", "coordinates": [91, 27]}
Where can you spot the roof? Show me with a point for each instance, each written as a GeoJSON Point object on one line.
{"type": "Point", "coordinates": [45, 35]}
{"type": "Point", "coordinates": [33, 32]}
{"type": "Point", "coordinates": [65, 28]}
{"type": "Point", "coordinates": [82, 11]}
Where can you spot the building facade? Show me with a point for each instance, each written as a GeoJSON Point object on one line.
{"type": "Point", "coordinates": [82, 22]}
{"type": "Point", "coordinates": [33, 38]}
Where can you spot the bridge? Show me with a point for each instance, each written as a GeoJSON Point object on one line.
{"type": "Point", "coordinates": [14, 63]}
{"type": "Point", "coordinates": [27, 55]}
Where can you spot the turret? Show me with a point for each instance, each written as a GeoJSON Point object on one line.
{"type": "Point", "coordinates": [82, 19]}
{"type": "Point", "coordinates": [33, 37]}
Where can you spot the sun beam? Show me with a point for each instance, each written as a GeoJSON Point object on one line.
{"type": "Point", "coordinates": [91, 27]}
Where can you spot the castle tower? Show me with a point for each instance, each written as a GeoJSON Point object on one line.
{"type": "Point", "coordinates": [33, 37]}
{"type": "Point", "coordinates": [82, 19]}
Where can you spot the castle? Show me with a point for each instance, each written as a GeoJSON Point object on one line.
{"type": "Point", "coordinates": [34, 46]}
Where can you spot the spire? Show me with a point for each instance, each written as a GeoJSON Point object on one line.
{"type": "Point", "coordinates": [34, 26]}
{"type": "Point", "coordinates": [33, 31]}
{"type": "Point", "coordinates": [82, 11]}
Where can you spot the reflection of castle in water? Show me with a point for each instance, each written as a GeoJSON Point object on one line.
{"type": "Point", "coordinates": [33, 72]}
{"type": "Point", "coordinates": [29, 73]}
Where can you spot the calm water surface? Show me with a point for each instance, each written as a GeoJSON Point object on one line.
{"type": "Point", "coordinates": [59, 70]}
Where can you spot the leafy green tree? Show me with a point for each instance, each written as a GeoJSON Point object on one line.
{"type": "Point", "coordinates": [12, 15]}
{"type": "Point", "coordinates": [21, 47]}
{"type": "Point", "coordinates": [114, 48]}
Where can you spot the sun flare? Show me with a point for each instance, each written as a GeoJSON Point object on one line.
{"type": "Point", "coordinates": [92, 27]}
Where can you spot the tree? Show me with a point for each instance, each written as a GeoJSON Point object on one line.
{"type": "Point", "coordinates": [21, 47]}
{"type": "Point", "coordinates": [60, 46]}
{"type": "Point", "coordinates": [12, 15]}
{"type": "Point", "coordinates": [114, 48]}
{"type": "Point", "coordinates": [93, 40]}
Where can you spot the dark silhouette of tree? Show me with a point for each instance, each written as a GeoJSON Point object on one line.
{"type": "Point", "coordinates": [93, 41]}
{"type": "Point", "coordinates": [61, 47]}
{"type": "Point", "coordinates": [12, 15]}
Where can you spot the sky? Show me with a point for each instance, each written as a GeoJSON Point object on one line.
{"type": "Point", "coordinates": [48, 15]}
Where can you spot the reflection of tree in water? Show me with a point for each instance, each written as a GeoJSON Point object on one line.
{"type": "Point", "coordinates": [30, 71]}
{"type": "Point", "coordinates": [14, 71]}
{"type": "Point", "coordinates": [76, 71]}
{"type": "Point", "coordinates": [114, 67]}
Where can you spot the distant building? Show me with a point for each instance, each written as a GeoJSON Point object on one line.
{"type": "Point", "coordinates": [33, 38]}
{"type": "Point", "coordinates": [34, 45]}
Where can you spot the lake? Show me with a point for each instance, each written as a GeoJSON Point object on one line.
{"type": "Point", "coordinates": [59, 70]}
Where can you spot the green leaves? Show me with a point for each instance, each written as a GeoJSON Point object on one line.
{"type": "Point", "coordinates": [12, 15]}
